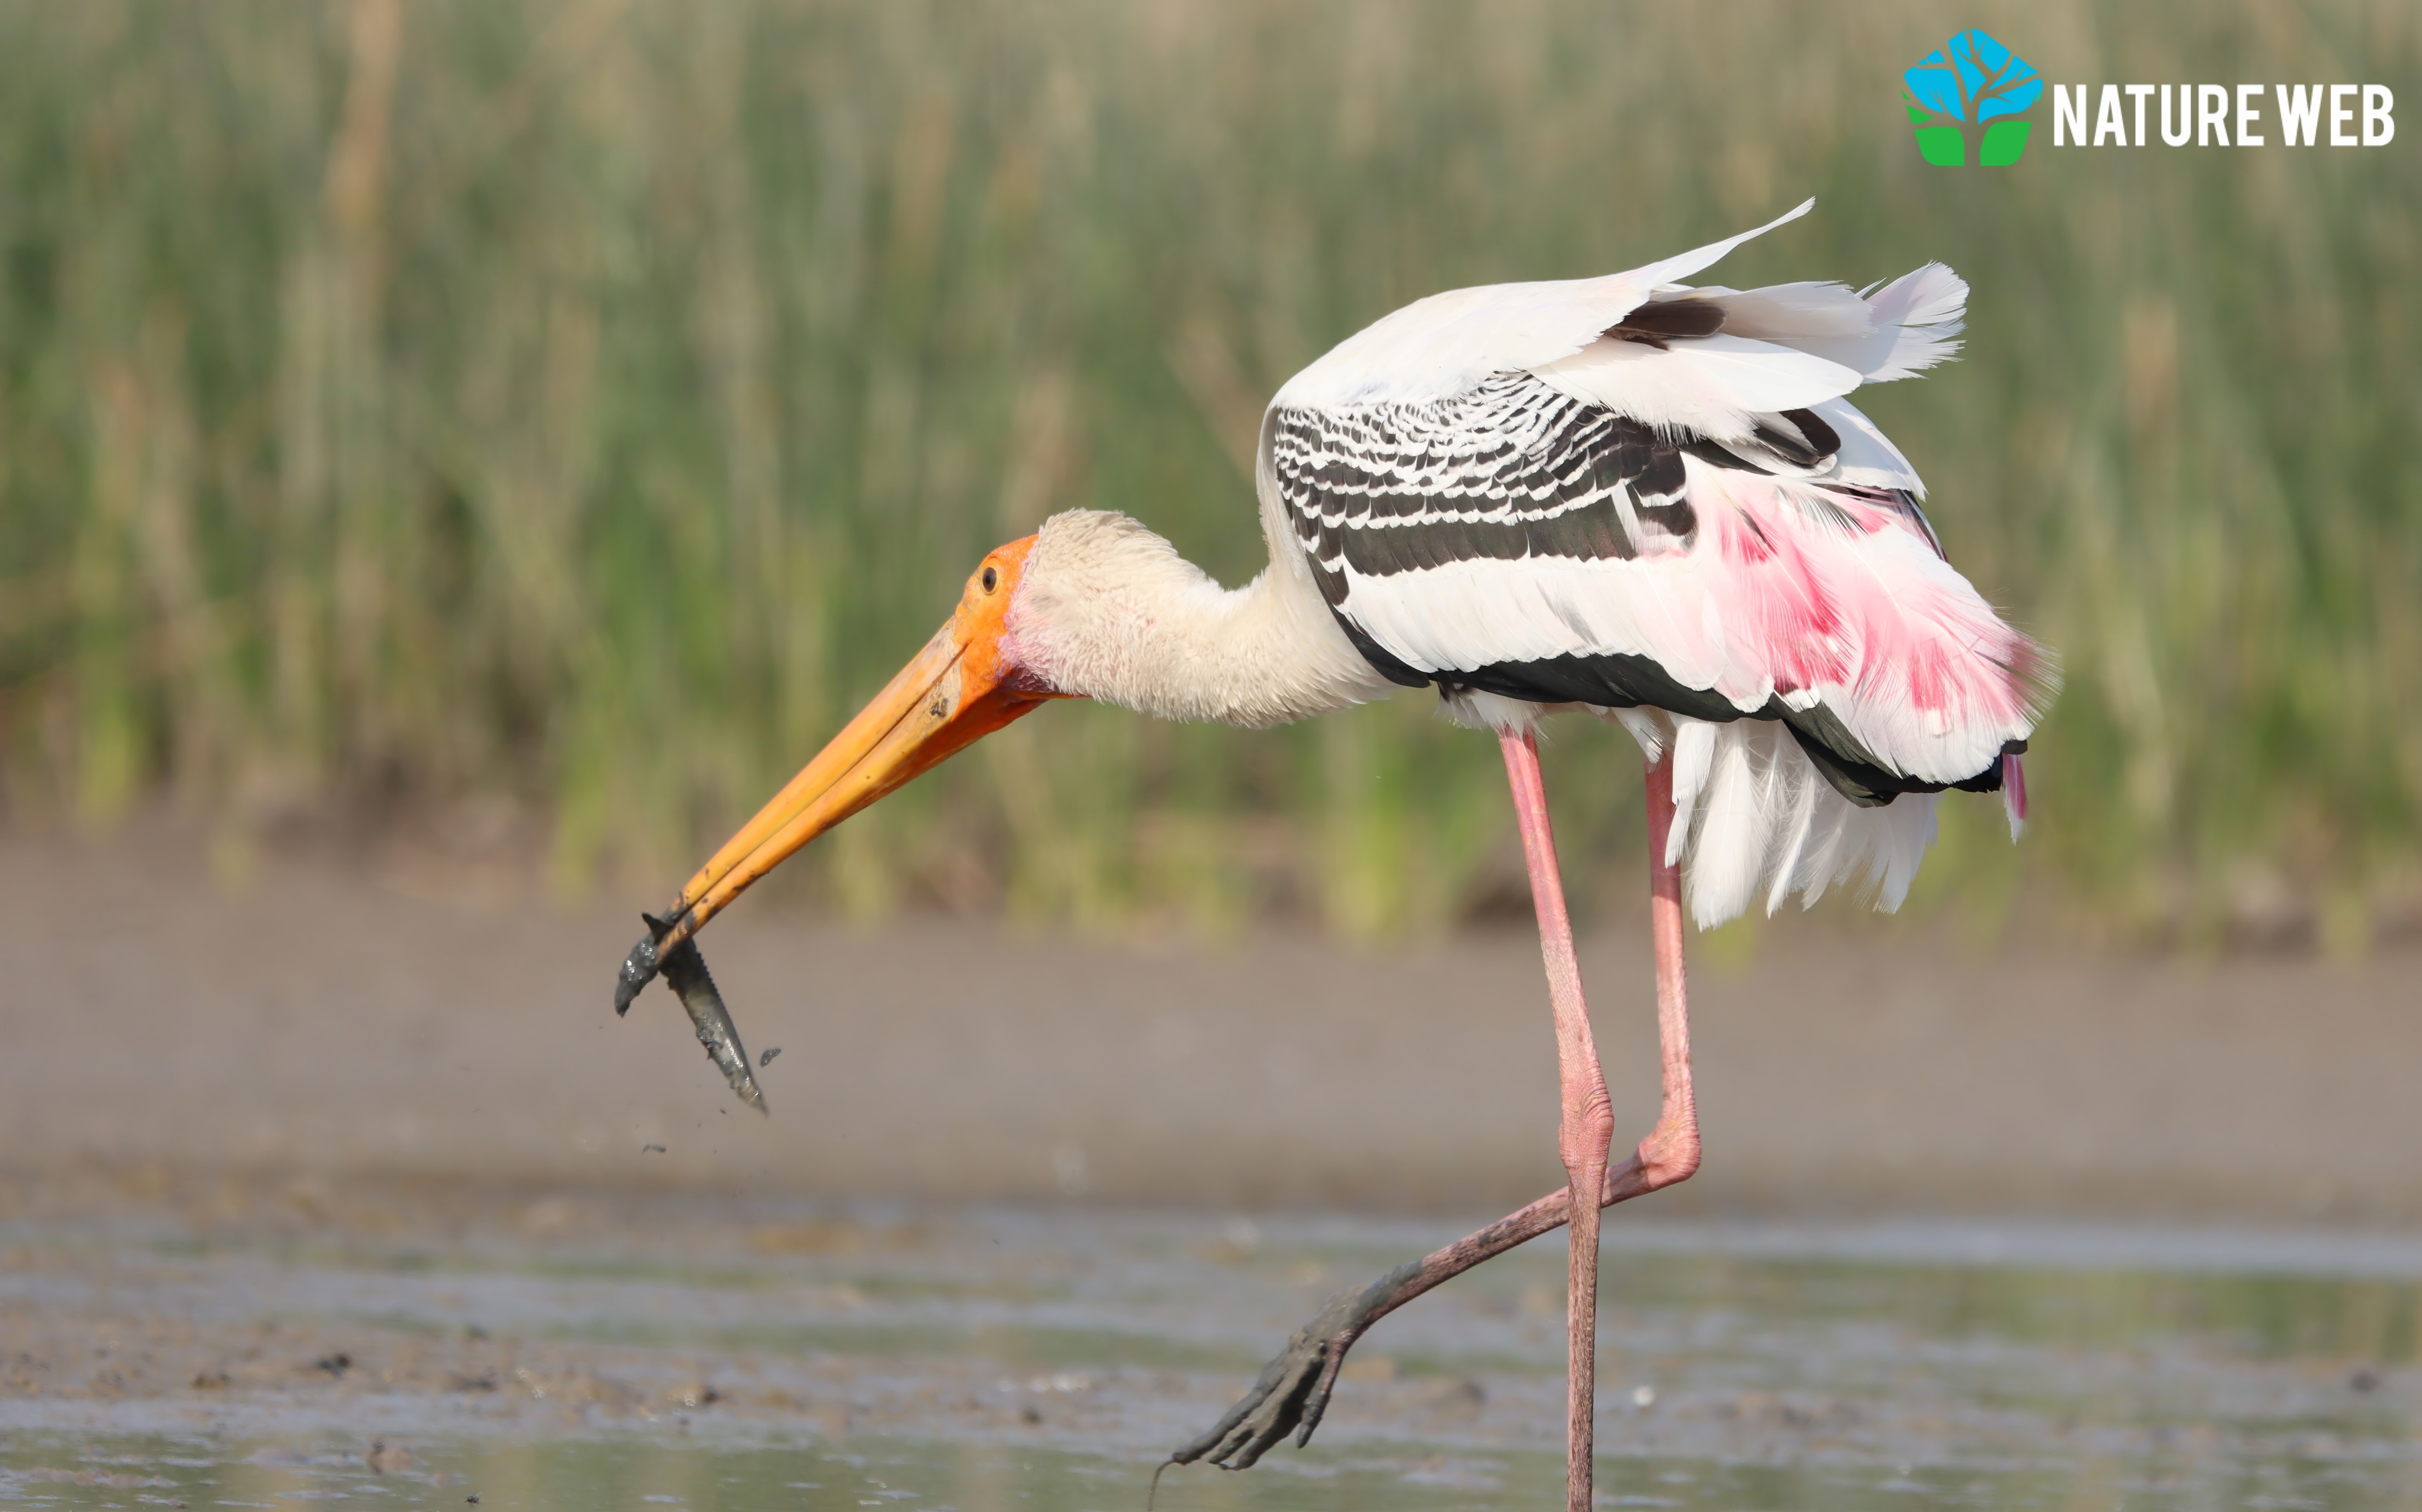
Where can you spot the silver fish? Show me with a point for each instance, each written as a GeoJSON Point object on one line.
{"type": "Point", "coordinates": [684, 970]}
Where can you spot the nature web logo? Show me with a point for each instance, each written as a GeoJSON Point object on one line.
{"type": "Point", "coordinates": [1970, 82]}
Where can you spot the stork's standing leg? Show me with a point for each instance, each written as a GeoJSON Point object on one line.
{"type": "Point", "coordinates": [1293, 1391]}
{"type": "Point", "coordinates": [1588, 1123]}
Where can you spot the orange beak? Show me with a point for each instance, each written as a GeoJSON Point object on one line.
{"type": "Point", "coordinates": [960, 688]}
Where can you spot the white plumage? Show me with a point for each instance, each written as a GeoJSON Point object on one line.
{"type": "Point", "coordinates": [1437, 347]}
{"type": "Point", "coordinates": [1622, 493]}
{"type": "Point", "coordinates": [1754, 821]}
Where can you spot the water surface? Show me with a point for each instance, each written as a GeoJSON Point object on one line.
{"type": "Point", "coordinates": [1020, 1359]}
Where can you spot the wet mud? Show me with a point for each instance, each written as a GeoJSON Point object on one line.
{"type": "Point", "coordinates": [1957, 1364]}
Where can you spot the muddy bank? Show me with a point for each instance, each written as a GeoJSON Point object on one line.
{"type": "Point", "coordinates": [318, 1024]}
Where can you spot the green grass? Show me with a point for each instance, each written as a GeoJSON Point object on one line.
{"type": "Point", "coordinates": [585, 402]}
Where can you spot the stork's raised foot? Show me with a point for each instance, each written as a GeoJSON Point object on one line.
{"type": "Point", "coordinates": [1294, 1388]}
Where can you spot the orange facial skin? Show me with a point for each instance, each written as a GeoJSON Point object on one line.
{"type": "Point", "coordinates": [961, 687]}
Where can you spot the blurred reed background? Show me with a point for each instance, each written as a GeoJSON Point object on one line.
{"type": "Point", "coordinates": [566, 409]}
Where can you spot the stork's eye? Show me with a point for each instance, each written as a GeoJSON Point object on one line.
{"type": "Point", "coordinates": [991, 578]}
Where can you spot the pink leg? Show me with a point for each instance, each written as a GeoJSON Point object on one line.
{"type": "Point", "coordinates": [1588, 1123]}
{"type": "Point", "coordinates": [1294, 1392]}
{"type": "Point", "coordinates": [1671, 1151]}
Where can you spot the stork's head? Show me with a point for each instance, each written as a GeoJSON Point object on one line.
{"type": "Point", "coordinates": [1092, 606]}
{"type": "Point", "coordinates": [968, 681]}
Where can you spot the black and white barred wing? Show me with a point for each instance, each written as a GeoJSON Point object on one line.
{"type": "Point", "coordinates": [1520, 540]}
{"type": "Point", "coordinates": [1429, 523]}
{"type": "Point", "coordinates": [1684, 512]}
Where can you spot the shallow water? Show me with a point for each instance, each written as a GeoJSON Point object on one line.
{"type": "Point", "coordinates": [640, 1475]}
{"type": "Point", "coordinates": [1048, 1359]}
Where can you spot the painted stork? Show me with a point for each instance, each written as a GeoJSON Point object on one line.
{"type": "Point", "coordinates": [1625, 496]}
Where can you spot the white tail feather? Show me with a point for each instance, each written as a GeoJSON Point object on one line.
{"type": "Point", "coordinates": [1694, 750]}
{"type": "Point", "coordinates": [1754, 821]}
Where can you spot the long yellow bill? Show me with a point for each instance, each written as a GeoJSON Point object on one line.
{"type": "Point", "coordinates": [960, 688]}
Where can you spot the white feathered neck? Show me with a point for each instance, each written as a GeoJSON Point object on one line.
{"type": "Point", "coordinates": [1106, 609]}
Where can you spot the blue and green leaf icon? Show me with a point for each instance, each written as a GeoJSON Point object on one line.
{"type": "Point", "coordinates": [1965, 85]}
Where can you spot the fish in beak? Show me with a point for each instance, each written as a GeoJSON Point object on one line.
{"type": "Point", "coordinates": [964, 686]}
{"type": "Point", "coordinates": [684, 971]}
